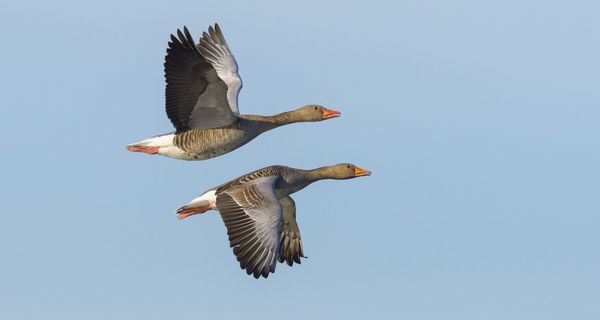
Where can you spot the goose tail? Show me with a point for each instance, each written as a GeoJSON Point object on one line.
{"type": "Point", "coordinates": [152, 145]}
{"type": "Point", "coordinates": [201, 204]}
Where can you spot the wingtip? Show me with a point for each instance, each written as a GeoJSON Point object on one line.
{"type": "Point", "coordinates": [180, 35]}
{"type": "Point", "coordinates": [173, 40]}
{"type": "Point", "coordinates": [187, 32]}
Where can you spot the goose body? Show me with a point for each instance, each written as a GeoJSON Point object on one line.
{"type": "Point", "coordinates": [201, 101]}
{"type": "Point", "coordinates": [260, 215]}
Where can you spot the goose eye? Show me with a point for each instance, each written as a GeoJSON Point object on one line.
{"type": "Point", "coordinates": [316, 108]}
{"type": "Point", "coordinates": [348, 166]}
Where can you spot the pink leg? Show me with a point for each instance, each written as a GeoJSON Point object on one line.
{"type": "Point", "coordinates": [184, 213]}
{"type": "Point", "coordinates": [149, 150]}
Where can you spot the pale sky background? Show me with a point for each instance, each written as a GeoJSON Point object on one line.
{"type": "Point", "coordinates": [479, 119]}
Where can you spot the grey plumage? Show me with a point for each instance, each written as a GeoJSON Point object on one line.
{"type": "Point", "coordinates": [252, 215]}
{"type": "Point", "coordinates": [260, 216]}
{"type": "Point", "coordinates": [290, 249]}
{"type": "Point", "coordinates": [196, 97]}
{"type": "Point", "coordinates": [202, 88]}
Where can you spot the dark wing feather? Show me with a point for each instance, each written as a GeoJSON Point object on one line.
{"type": "Point", "coordinates": [290, 249]}
{"type": "Point", "coordinates": [195, 95]}
{"type": "Point", "coordinates": [252, 216]}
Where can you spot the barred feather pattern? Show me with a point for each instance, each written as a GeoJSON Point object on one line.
{"type": "Point", "coordinates": [205, 144]}
{"type": "Point", "coordinates": [260, 216]}
{"type": "Point", "coordinates": [260, 173]}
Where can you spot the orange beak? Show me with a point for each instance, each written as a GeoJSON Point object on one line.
{"type": "Point", "coordinates": [328, 114]}
{"type": "Point", "coordinates": [358, 172]}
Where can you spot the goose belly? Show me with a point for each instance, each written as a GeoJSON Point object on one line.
{"type": "Point", "coordinates": [205, 144]}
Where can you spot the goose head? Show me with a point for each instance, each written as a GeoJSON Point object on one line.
{"type": "Point", "coordinates": [315, 112]}
{"type": "Point", "coordinates": [346, 171]}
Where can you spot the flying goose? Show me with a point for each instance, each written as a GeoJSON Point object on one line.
{"type": "Point", "coordinates": [201, 101]}
{"type": "Point", "coordinates": [259, 214]}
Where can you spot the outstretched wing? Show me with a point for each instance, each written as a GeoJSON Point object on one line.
{"type": "Point", "coordinates": [290, 249]}
{"type": "Point", "coordinates": [214, 48]}
{"type": "Point", "coordinates": [253, 215]}
{"type": "Point", "coordinates": [196, 97]}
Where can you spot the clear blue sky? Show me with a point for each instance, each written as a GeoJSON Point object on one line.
{"type": "Point", "coordinates": [479, 119]}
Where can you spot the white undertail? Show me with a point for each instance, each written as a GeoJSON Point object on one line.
{"type": "Point", "coordinates": [208, 198]}
{"type": "Point", "coordinates": [165, 144]}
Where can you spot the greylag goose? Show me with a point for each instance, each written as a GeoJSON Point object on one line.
{"type": "Point", "coordinates": [201, 101]}
{"type": "Point", "coordinates": [259, 214]}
